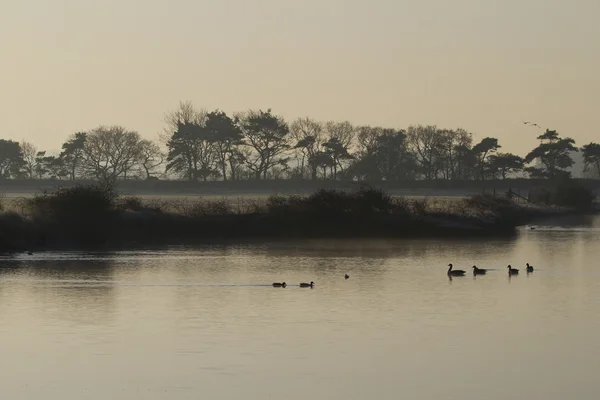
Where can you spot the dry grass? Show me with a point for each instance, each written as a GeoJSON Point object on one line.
{"type": "Point", "coordinates": [211, 205]}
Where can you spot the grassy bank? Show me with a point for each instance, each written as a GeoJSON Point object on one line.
{"type": "Point", "coordinates": [97, 215]}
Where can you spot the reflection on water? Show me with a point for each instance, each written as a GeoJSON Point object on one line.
{"type": "Point", "coordinates": [185, 323]}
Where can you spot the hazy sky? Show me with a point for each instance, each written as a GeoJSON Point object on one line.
{"type": "Point", "coordinates": [483, 65]}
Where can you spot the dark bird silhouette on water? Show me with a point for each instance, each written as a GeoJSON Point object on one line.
{"type": "Point", "coordinates": [529, 268]}
{"type": "Point", "coordinates": [512, 271]}
{"type": "Point", "coordinates": [479, 271]}
{"type": "Point", "coordinates": [346, 276]}
{"type": "Point", "coordinates": [311, 284]}
{"type": "Point", "coordinates": [278, 284]}
{"type": "Point", "coordinates": [456, 272]}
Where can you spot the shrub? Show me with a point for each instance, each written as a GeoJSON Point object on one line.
{"type": "Point", "coordinates": [419, 206]}
{"type": "Point", "coordinates": [566, 193]}
{"type": "Point", "coordinates": [84, 214]}
{"type": "Point", "coordinates": [16, 233]}
{"type": "Point", "coordinates": [131, 203]}
{"type": "Point", "coordinates": [570, 193]}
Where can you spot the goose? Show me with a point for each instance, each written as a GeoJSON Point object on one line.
{"type": "Point", "coordinates": [346, 276]}
{"type": "Point", "coordinates": [456, 272]}
{"type": "Point", "coordinates": [512, 271]}
{"type": "Point", "coordinates": [529, 268]}
{"type": "Point", "coordinates": [311, 284]}
{"type": "Point", "coordinates": [277, 284]}
{"type": "Point", "coordinates": [479, 271]}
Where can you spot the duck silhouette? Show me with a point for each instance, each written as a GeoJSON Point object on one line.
{"type": "Point", "coordinates": [456, 272]}
{"type": "Point", "coordinates": [512, 271]}
{"type": "Point", "coordinates": [278, 284]}
{"type": "Point", "coordinates": [311, 284]}
{"type": "Point", "coordinates": [479, 271]}
{"type": "Point", "coordinates": [529, 268]}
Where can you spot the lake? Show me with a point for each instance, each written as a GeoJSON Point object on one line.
{"type": "Point", "coordinates": [205, 323]}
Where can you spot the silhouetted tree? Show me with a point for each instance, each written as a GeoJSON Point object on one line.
{"type": "Point", "coordinates": [40, 168]}
{"type": "Point", "coordinates": [51, 166]}
{"type": "Point", "coordinates": [30, 160]}
{"type": "Point", "coordinates": [553, 153]}
{"type": "Point", "coordinates": [72, 154]}
{"type": "Point", "coordinates": [339, 136]}
{"type": "Point", "coordinates": [384, 154]}
{"type": "Point", "coordinates": [11, 159]}
{"type": "Point", "coordinates": [308, 136]}
{"type": "Point", "coordinates": [504, 164]}
{"type": "Point", "coordinates": [450, 144]}
{"type": "Point", "coordinates": [225, 135]}
{"type": "Point", "coordinates": [150, 158]}
{"type": "Point", "coordinates": [322, 160]}
{"type": "Point", "coordinates": [111, 152]}
{"type": "Point", "coordinates": [424, 143]}
{"type": "Point", "coordinates": [266, 135]}
{"type": "Point", "coordinates": [483, 150]}
{"type": "Point", "coordinates": [338, 154]}
{"type": "Point", "coordinates": [591, 157]}
{"type": "Point", "coordinates": [186, 113]}
{"type": "Point", "coordinates": [191, 152]}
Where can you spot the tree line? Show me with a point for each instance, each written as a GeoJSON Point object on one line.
{"type": "Point", "coordinates": [199, 145]}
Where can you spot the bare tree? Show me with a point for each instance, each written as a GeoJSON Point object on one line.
{"type": "Point", "coordinates": [424, 141]}
{"type": "Point", "coordinates": [308, 138]}
{"type": "Point", "coordinates": [450, 144]}
{"type": "Point", "coordinates": [29, 152]}
{"type": "Point", "coordinates": [151, 157]}
{"type": "Point", "coordinates": [185, 114]}
{"type": "Point", "coordinates": [111, 152]}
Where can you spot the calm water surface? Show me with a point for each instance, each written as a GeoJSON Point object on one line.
{"type": "Point", "coordinates": [205, 323]}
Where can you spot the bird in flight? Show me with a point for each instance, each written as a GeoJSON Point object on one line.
{"type": "Point", "coordinates": [536, 125]}
{"type": "Point", "coordinates": [526, 122]}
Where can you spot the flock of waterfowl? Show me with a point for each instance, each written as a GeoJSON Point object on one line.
{"type": "Point", "coordinates": [482, 271]}
{"type": "Point", "coordinates": [451, 272]}
{"type": "Point", "coordinates": [303, 284]}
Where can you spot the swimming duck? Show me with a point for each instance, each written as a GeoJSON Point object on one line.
{"type": "Point", "coordinates": [529, 268]}
{"type": "Point", "coordinates": [456, 272]}
{"type": "Point", "coordinates": [346, 276]}
{"type": "Point", "coordinates": [277, 284]}
{"type": "Point", "coordinates": [512, 271]}
{"type": "Point", "coordinates": [311, 284]}
{"type": "Point", "coordinates": [479, 271]}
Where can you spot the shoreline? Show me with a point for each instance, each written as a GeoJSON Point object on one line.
{"type": "Point", "coordinates": [98, 217]}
